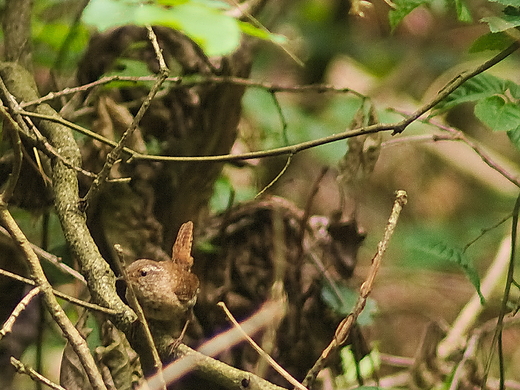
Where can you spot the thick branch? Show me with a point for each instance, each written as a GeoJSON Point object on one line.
{"type": "Point", "coordinates": [17, 31]}
{"type": "Point", "coordinates": [100, 278]}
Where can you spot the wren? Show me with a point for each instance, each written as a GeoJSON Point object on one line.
{"type": "Point", "coordinates": [167, 290]}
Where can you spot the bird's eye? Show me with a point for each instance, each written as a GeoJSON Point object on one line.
{"type": "Point", "coordinates": [144, 272]}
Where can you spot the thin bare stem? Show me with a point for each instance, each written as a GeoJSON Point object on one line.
{"type": "Point", "coordinates": [184, 82]}
{"type": "Point", "coordinates": [54, 260]}
{"type": "Point", "coordinates": [8, 325]}
{"type": "Point", "coordinates": [23, 369]}
{"type": "Point", "coordinates": [272, 182]}
{"type": "Point", "coordinates": [344, 328]}
{"type": "Point", "coordinates": [273, 363]}
{"type": "Point", "coordinates": [69, 298]}
{"type": "Point", "coordinates": [497, 337]}
{"type": "Point", "coordinates": [115, 153]}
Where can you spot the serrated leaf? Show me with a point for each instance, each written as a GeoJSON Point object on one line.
{"type": "Point", "coordinates": [514, 137]}
{"type": "Point", "coordinates": [491, 41]}
{"type": "Point", "coordinates": [498, 114]}
{"type": "Point", "coordinates": [403, 8]}
{"type": "Point", "coordinates": [476, 88]}
{"type": "Point", "coordinates": [457, 256]}
{"type": "Point", "coordinates": [502, 23]}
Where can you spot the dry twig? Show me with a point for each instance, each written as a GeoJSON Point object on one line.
{"type": "Point", "coordinates": [348, 322]}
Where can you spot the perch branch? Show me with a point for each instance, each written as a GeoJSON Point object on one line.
{"type": "Point", "coordinates": [227, 376]}
{"type": "Point", "coordinates": [279, 369]}
{"type": "Point", "coordinates": [17, 31]}
{"type": "Point", "coordinates": [348, 322]}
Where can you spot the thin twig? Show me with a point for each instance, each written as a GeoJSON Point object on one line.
{"type": "Point", "coordinates": [54, 260]}
{"type": "Point", "coordinates": [479, 150]}
{"type": "Point", "coordinates": [36, 137]}
{"type": "Point", "coordinates": [8, 325]}
{"type": "Point", "coordinates": [115, 153]}
{"type": "Point", "coordinates": [469, 353]}
{"type": "Point", "coordinates": [272, 182]}
{"type": "Point", "coordinates": [344, 328]}
{"type": "Point", "coordinates": [69, 298]}
{"type": "Point", "coordinates": [455, 83]}
{"type": "Point", "coordinates": [70, 332]}
{"type": "Point", "coordinates": [279, 369]}
{"type": "Point", "coordinates": [292, 149]}
{"type": "Point", "coordinates": [185, 82]}
{"type": "Point", "coordinates": [497, 337]}
{"type": "Point", "coordinates": [23, 369]}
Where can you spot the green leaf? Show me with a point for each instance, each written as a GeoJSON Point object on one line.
{"type": "Point", "coordinates": [403, 8]}
{"type": "Point", "coordinates": [457, 256]}
{"type": "Point", "coordinates": [463, 13]}
{"type": "Point", "coordinates": [344, 303]}
{"type": "Point", "coordinates": [502, 23]}
{"type": "Point", "coordinates": [514, 136]}
{"type": "Point", "coordinates": [514, 3]}
{"type": "Point", "coordinates": [476, 88]}
{"type": "Point", "coordinates": [215, 32]}
{"type": "Point", "coordinates": [514, 89]}
{"type": "Point", "coordinates": [491, 41]}
{"type": "Point", "coordinates": [498, 114]}
{"type": "Point", "coordinates": [105, 14]}
{"type": "Point", "coordinates": [366, 367]}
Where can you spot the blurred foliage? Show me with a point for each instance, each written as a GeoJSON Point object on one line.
{"type": "Point", "coordinates": [396, 58]}
{"type": "Point", "coordinates": [216, 32]}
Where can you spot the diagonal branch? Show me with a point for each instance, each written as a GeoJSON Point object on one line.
{"type": "Point", "coordinates": [344, 328]}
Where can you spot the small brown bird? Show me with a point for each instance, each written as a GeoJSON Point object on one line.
{"type": "Point", "coordinates": [167, 290]}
